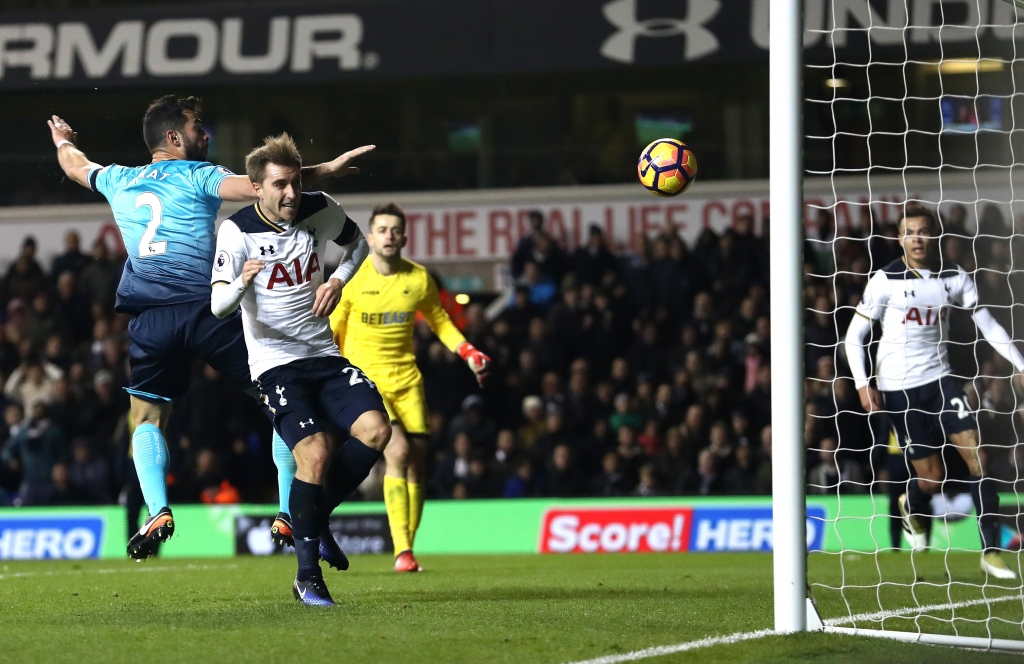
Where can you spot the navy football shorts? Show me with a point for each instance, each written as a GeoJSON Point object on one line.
{"type": "Point", "coordinates": [302, 396]}
{"type": "Point", "coordinates": [164, 341]}
{"type": "Point", "coordinates": [925, 416]}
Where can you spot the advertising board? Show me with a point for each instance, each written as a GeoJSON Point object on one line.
{"type": "Point", "coordinates": [69, 537]}
{"type": "Point", "coordinates": [673, 525]}
{"type": "Point", "coordinates": [282, 42]}
{"type": "Point", "coordinates": [355, 533]}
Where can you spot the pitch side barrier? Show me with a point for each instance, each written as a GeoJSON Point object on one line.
{"type": "Point", "coordinates": [669, 525]}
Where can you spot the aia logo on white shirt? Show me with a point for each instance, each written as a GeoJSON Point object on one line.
{"type": "Point", "coordinates": [282, 276]}
{"type": "Point", "coordinates": [932, 316]}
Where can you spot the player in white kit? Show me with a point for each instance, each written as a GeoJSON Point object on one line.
{"type": "Point", "coordinates": [269, 261]}
{"type": "Point", "coordinates": [913, 297]}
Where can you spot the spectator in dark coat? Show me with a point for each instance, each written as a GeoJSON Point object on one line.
{"type": "Point", "coordinates": [670, 279]}
{"type": "Point", "coordinates": [637, 274]}
{"type": "Point", "coordinates": [741, 479]}
{"type": "Point", "coordinates": [25, 279]}
{"type": "Point", "coordinates": [100, 409]}
{"type": "Point", "coordinates": [673, 463]}
{"type": "Point", "coordinates": [72, 260]}
{"type": "Point", "coordinates": [98, 279]}
{"type": "Point", "coordinates": [549, 258]}
{"type": "Point", "coordinates": [553, 436]}
{"type": "Point", "coordinates": [707, 481]}
{"type": "Point", "coordinates": [73, 309]}
{"type": "Point", "coordinates": [524, 248]}
{"type": "Point", "coordinates": [60, 490]}
{"type": "Point", "coordinates": [519, 313]}
{"type": "Point", "coordinates": [480, 482]}
{"type": "Point", "coordinates": [475, 423]}
{"type": "Point", "coordinates": [563, 478]}
{"type": "Point", "coordinates": [646, 356]}
{"type": "Point", "coordinates": [611, 481]}
{"type": "Point", "coordinates": [592, 261]}
{"type": "Point", "coordinates": [45, 320]}
{"type": "Point", "coordinates": [89, 476]}
{"type": "Point", "coordinates": [453, 466]}
{"type": "Point", "coordinates": [501, 464]}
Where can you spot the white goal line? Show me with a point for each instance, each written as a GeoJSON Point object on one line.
{"type": "Point", "coordinates": [658, 651]}
{"type": "Point", "coordinates": [911, 610]}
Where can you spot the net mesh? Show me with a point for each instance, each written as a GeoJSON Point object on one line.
{"type": "Point", "coordinates": [912, 101]}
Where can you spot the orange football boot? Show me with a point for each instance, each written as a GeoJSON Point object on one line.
{"type": "Point", "coordinates": [406, 562]}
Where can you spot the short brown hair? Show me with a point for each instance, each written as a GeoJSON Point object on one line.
{"type": "Point", "coordinates": [388, 208]}
{"type": "Point", "coordinates": [167, 112]}
{"type": "Point", "coordinates": [913, 210]}
{"type": "Point", "coordinates": [280, 150]}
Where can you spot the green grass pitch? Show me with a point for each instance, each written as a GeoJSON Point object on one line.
{"type": "Point", "coordinates": [522, 608]}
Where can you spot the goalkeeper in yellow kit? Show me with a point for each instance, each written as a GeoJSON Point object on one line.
{"type": "Point", "coordinates": [373, 325]}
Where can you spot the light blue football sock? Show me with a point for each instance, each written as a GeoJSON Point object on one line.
{"type": "Point", "coordinates": [149, 451]}
{"type": "Point", "coordinates": [285, 462]}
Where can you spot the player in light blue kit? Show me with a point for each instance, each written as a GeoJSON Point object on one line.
{"type": "Point", "coordinates": [166, 211]}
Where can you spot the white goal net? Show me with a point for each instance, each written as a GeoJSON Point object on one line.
{"type": "Point", "coordinates": [914, 103]}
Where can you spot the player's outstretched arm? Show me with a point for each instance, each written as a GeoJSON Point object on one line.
{"type": "Point", "coordinates": [239, 189]}
{"type": "Point", "coordinates": [338, 167]}
{"type": "Point", "coordinates": [72, 161]}
{"type": "Point", "coordinates": [441, 323]}
{"type": "Point", "coordinates": [995, 334]}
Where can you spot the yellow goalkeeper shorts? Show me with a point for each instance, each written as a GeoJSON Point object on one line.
{"type": "Point", "coordinates": [408, 407]}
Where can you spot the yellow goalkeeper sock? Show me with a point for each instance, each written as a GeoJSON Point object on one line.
{"type": "Point", "coordinates": [396, 502]}
{"type": "Point", "coordinates": [416, 498]}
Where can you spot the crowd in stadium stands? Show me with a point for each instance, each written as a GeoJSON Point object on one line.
{"type": "Point", "coordinates": [642, 372]}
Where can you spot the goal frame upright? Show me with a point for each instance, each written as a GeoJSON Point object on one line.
{"type": "Point", "coordinates": [789, 558]}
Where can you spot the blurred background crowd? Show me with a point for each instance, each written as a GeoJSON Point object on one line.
{"type": "Point", "coordinates": [630, 371]}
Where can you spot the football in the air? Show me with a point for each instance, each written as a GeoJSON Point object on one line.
{"type": "Point", "coordinates": [667, 167]}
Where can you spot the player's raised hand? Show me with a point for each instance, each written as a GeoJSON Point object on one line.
{"type": "Point", "coordinates": [327, 297]}
{"type": "Point", "coordinates": [341, 166]}
{"type": "Point", "coordinates": [478, 362]}
{"type": "Point", "coordinates": [870, 399]}
{"type": "Point", "coordinates": [61, 131]}
{"type": "Point", "coordinates": [249, 271]}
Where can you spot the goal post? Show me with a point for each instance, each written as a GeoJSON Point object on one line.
{"type": "Point", "coordinates": [786, 248]}
{"type": "Point", "coordinates": [889, 124]}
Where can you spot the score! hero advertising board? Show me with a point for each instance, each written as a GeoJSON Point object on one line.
{"type": "Point", "coordinates": [643, 529]}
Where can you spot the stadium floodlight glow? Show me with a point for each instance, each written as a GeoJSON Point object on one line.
{"type": "Point", "coordinates": [965, 66]}
{"type": "Point", "coordinates": [836, 83]}
{"type": "Point", "coordinates": [789, 560]}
